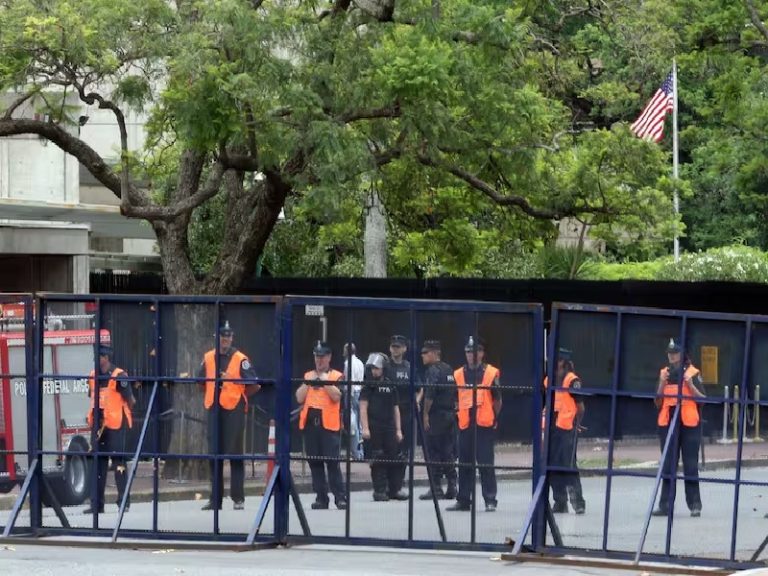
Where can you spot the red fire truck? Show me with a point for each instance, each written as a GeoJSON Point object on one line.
{"type": "Point", "coordinates": [65, 408]}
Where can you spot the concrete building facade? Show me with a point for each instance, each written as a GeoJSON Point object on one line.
{"type": "Point", "coordinates": [57, 223]}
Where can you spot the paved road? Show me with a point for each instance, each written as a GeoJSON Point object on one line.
{"type": "Point", "coordinates": [708, 536]}
{"type": "Point", "coordinates": [325, 561]}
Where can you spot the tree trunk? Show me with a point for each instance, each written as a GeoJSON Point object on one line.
{"type": "Point", "coordinates": [375, 237]}
{"type": "Point", "coordinates": [251, 215]}
{"type": "Point", "coordinates": [192, 327]}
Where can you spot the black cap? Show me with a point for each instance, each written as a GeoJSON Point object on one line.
{"type": "Point", "coordinates": [564, 354]}
{"type": "Point", "coordinates": [105, 350]}
{"type": "Point", "coordinates": [431, 345]}
{"type": "Point", "coordinates": [321, 348]}
{"type": "Point", "coordinates": [673, 346]}
{"type": "Point", "coordinates": [474, 343]}
{"type": "Point", "coordinates": [398, 340]}
{"type": "Point", "coordinates": [225, 329]}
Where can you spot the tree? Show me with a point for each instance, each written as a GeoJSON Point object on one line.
{"type": "Point", "coordinates": [451, 107]}
{"type": "Point", "coordinates": [251, 103]}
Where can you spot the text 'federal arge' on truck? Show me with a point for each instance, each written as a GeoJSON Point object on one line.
{"type": "Point", "coordinates": [67, 351]}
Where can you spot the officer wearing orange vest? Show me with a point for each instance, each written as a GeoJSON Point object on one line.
{"type": "Point", "coordinates": [478, 407]}
{"type": "Point", "coordinates": [320, 420]}
{"type": "Point", "coordinates": [233, 404]}
{"type": "Point", "coordinates": [671, 377]}
{"type": "Point", "coordinates": [115, 419]}
{"type": "Point", "coordinates": [563, 430]}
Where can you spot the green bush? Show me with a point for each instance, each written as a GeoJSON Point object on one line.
{"type": "Point", "coordinates": [730, 263]}
{"type": "Point", "coordinates": [625, 271]}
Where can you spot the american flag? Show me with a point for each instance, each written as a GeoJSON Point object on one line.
{"type": "Point", "coordinates": [650, 124]}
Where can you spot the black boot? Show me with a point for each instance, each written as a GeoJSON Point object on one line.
{"type": "Point", "coordinates": [451, 492]}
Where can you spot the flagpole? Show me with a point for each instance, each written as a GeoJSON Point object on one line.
{"type": "Point", "coordinates": [675, 164]}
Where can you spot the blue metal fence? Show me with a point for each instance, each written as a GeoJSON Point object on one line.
{"type": "Point", "coordinates": [617, 447]}
{"type": "Point", "coordinates": [621, 379]}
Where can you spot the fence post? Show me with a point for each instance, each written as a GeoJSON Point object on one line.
{"type": "Point", "coordinates": [757, 414]}
{"type": "Point", "coordinates": [270, 452]}
{"type": "Point", "coordinates": [726, 396]}
{"type": "Point", "coordinates": [735, 422]}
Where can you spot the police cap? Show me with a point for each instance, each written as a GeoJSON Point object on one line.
{"type": "Point", "coordinates": [398, 340]}
{"type": "Point", "coordinates": [673, 346]}
{"type": "Point", "coordinates": [474, 343]}
{"type": "Point", "coordinates": [105, 350]}
{"type": "Point", "coordinates": [225, 329]}
{"type": "Point", "coordinates": [430, 346]}
{"type": "Point", "coordinates": [321, 348]}
{"type": "Point", "coordinates": [564, 354]}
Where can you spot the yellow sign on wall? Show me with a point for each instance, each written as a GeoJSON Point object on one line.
{"type": "Point", "coordinates": [709, 364]}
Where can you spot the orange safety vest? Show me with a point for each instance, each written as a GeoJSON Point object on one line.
{"type": "Point", "coordinates": [689, 412]}
{"type": "Point", "coordinates": [319, 398]}
{"type": "Point", "coordinates": [230, 392]}
{"type": "Point", "coordinates": [485, 415]}
{"type": "Point", "coordinates": [565, 405]}
{"type": "Point", "coordinates": [111, 403]}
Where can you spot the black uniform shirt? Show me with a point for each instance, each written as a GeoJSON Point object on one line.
{"type": "Point", "coordinates": [441, 388]}
{"type": "Point", "coordinates": [382, 398]}
{"type": "Point", "coordinates": [400, 374]}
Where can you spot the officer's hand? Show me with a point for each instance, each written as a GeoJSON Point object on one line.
{"type": "Point", "coordinates": [426, 423]}
{"type": "Point", "coordinates": [399, 435]}
{"type": "Point", "coordinates": [580, 429]}
{"type": "Point", "coordinates": [366, 434]}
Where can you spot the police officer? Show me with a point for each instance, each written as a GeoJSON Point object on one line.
{"type": "Point", "coordinates": [563, 430]}
{"type": "Point", "coordinates": [233, 404]}
{"type": "Point", "coordinates": [398, 371]}
{"type": "Point", "coordinates": [320, 420]}
{"type": "Point", "coordinates": [115, 420]}
{"type": "Point", "coordinates": [671, 377]}
{"type": "Point", "coordinates": [439, 418]}
{"type": "Point", "coordinates": [479, 404]}
{"type": "Point", "coordinates": [382, 432]}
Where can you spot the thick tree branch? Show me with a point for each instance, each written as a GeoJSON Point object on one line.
{"type": "Point", "coordinates": [13, 106]}
{"type": "Point", "coordinates": [490, 191]}
{"type": "Point", "coordinates": [339, 7]}
{"type": "Point", "coordinates": [755, 17]}
{"type": "Point", "coordinates": [86, 155]}
{"type": "Point", "coordinates": [183, 206]}
{"type": "Point", "coordinates": [241, 162]}
{"type": "Point", "coordinates": [391, 111]}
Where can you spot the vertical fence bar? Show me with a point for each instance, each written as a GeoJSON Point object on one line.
{"type": "Point", "coordinates": [612, 427]}
{"type": "Point", "coordinates": [283, 394]}
{"type": "Point", "coordinates": [676, 437]}
{"type": "Point", "coordinates": [157, 364]}
{"type": "Point", "coordinates": [537, 472]}
{"type": "Point", "coordinates": [217, 490]}
{"type": "Point", "coordinates": [96, 503]}
{"type": "Point", "coordinates": [545, 427]}
{"type": "Point", "coordinates": [414, 416]}
{"type": "Point", "coordinates": [34, 333]}
{"type": "Point", "coordinates": [742, 429]}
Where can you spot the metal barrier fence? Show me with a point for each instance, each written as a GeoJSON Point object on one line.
{"type": "Point", "coordinates": [406, 491]}
{"type": "Point", "coordinates": [655, 385]}
{"type": "Point", "coordinates": [395, 422]}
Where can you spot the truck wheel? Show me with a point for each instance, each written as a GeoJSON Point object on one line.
{"type": "Point", "coordinates": [72, 487]}
{"type": "Point", "coordinates": [6, 487]}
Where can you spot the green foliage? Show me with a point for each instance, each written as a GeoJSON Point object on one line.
{"type": "Point", "coordinates": [564, 262]}
{"type": "Point", "coordinates": [523, 104]}
{"type": "Point", "coordinates": [731, 263]}
{"type": "Point", "coordinates": [735, 263]}
{"type": "Point", "coordinates": [613, 271]}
